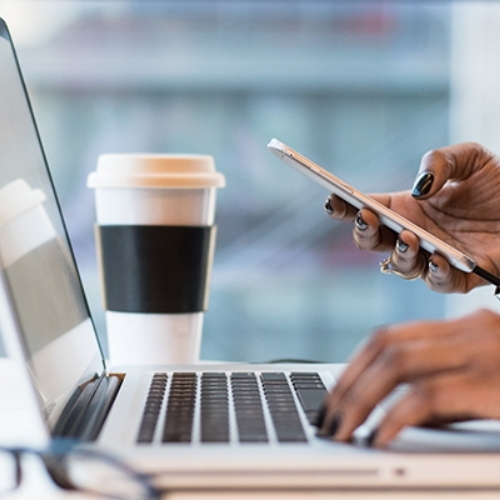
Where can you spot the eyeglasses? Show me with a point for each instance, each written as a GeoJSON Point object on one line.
{"type": "Point", "coordinates": [79, 469]}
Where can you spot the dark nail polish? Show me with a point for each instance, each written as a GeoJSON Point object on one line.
{"type": "Point", "coordinates": [402, 247]}
{"type": "Point", "coordinates": [360, 223]}
{"type": "Point", "coordinates": [371, 437]}
{"type": "Point", "coordinates": [320, 417]}
{"type": "Point", "coordinates": [328, 207]}
{"type": "Point", "coordinates": [433, 267]}
{"type": "Point", "coordinates": [334, 426]}
{"type": "Point", "coordinates": [422, 184]}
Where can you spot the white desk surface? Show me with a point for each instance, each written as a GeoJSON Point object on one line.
{"type": "Point", "coordinates": [37, 484]}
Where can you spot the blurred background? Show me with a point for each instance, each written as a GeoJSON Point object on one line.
{"type": "Point", "coordinates": [362, 88]}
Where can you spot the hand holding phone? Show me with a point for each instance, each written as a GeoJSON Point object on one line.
{"type": "Point", "coordinates": [389, 218]}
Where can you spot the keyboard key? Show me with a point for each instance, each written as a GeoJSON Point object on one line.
{"type": "Point", "coordinates": [311, 399]}
{"type": "Point", "coordinates": [180, 408]}
{"type": "Point", "coordinates": [152, 408]}
{"type": "Point", "coordinates": [248, 408]}
{"type": "Point", "coordinates": [214, 408]}
{"type": "Point", "coordinates": [282, 407]}
{"type": "Point", "coordinates": [311, 392]}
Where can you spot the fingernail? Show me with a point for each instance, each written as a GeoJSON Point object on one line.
{"type": "Point", "coordinates": [320, 417]}
{"type": "Point", "coordinates": [334, 426]}
{"type": "Point", "coordinates": [360, 223]}
{"type": "Point", "coordinates": [328, 207]}
{"type": "Point", "coordinates": [433, 267]}
{"type": "Point", "coordinates": [402, 247]}
{"type": "Point", "coordinates": [423, 184]}
{"type": "Point", "coordinates": [371, 437]}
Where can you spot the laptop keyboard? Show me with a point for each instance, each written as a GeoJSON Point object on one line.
{"type": "Point", "coordinates": [239, 406]}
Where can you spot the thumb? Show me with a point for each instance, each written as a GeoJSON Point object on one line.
{"type": "Point", "coordinates": [455, 162]}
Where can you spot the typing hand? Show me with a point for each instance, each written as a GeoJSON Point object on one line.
{"type": "Point", "coordinates": [452, 369]}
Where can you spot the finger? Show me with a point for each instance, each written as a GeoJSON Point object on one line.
{"type": "Point", "coordinates": [371, 348]}
{"type": "Point", "coordinates": [442, 277]}
{"type": "Point", "coordinates": [369, 234]}
{"type": "Point", "coordinates": [361, 358]}
{"type": "Point", "coordinates": [370, 351]}
{"type": "Point", "coordinates": [406, 256]}
{"type": "Point", "coordinates": [450, 397]}
{"type": "Point", "coordinates": [363, 355]}
{"type": "Point", "coordinates": [338, 209]}
{"type": "Point", "coordinates": [455, 162]}
{"type": "Point", "coordinates": [400, 363]}
{"type": "Point", "coordinates": [408, 411]}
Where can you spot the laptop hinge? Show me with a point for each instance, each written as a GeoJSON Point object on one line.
{"type": "Point", "coordinates": [86, 410]}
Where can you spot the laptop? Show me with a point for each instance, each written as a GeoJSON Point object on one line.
{"type": "Point", "coordinates": [204, 426]}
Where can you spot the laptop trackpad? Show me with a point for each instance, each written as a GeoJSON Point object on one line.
{"type": "Point", "coordinates": [465, 437]}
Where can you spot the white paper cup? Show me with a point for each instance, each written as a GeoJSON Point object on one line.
{"type": "Point", "coordinates": [155, 240]}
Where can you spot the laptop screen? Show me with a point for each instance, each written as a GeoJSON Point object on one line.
{"type": "Point", "coordinates": [46, 297]}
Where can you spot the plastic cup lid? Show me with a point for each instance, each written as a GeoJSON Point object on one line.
{"type": "Point", "coordinates": [16, 198]}
{"type": "Point", "coordinates": [155, 171]}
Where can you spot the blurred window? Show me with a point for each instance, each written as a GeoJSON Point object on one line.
{"type": "Point", "coordinates": [361, 88]}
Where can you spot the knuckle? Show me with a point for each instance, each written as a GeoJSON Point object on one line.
{"type": "Point", "coordinates": [395, 358]}
{"type": "Point", "coordinates": [438, 285]}
{"type": "Point", "coordinates": [371, 241]}
{"type": "Point", "coordinates": [355, 408]}
{"type": "Point", "coordinates": [445, 283]}
{"type": "Point", "coordinates": [365, 241]}
{"type": "Point", "coordinates": [427, 396]}
{"type": "Point", "coordinates": [490, 325]}
{"type": "Point", "coordinates": [476, 149]}
{"type": "Point", "coordinates": [488, 314]}
{"type": "Point", "coordinates": [379, 339]}
{"type": "Point", "coordinates": [356, 241]}
{"type": "Point", "coordinates": [489, 319]}
{"type": "Point", "coordinates": [408, 263]}
{"type": "Point", "coordinates": [435, 287]}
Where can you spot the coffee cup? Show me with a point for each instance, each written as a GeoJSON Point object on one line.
{"type": "Point", "coordinates": [155, 237]}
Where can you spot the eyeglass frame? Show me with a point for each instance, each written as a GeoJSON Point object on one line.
{"type": "Point", "coordinates": [53, 461]}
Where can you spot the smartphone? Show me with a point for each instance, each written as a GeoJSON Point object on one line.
{"type": "Point", "coordinates": [360, 200]}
